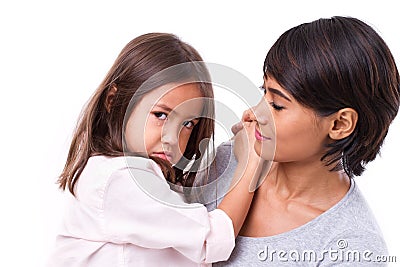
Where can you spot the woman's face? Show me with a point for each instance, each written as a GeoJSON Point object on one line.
{"type": "Point", "coordinates": [161, 123]}
{"type": "Point", "coordinates": [300, 134]}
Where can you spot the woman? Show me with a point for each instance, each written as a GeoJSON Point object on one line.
{"type": "Point", "coordinates": [333, 89]}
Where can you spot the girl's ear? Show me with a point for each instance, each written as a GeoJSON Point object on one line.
{"type": "Point", "coordinates": [110, 97]}
{"type": "Point", "coordinates": [343, 123]}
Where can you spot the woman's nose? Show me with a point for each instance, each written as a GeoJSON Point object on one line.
{"type": "Point", "coordinates": [248, 115]}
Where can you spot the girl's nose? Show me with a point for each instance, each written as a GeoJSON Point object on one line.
{"type": "Point", "coordinates": [169, 134]}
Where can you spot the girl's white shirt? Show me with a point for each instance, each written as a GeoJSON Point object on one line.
{"type": "Point", "coordinates": [125, 214]}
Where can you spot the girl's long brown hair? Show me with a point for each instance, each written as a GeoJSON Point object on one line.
{"type": "Point", "coordinates": [100, 129]}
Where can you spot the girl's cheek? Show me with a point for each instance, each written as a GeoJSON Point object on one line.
{"type": "Point", "coordinates": [184, 139]}
{"type": "Point", "coordinates": [154, 122]}
{"type": "Point", "coordinates": [158, 122]}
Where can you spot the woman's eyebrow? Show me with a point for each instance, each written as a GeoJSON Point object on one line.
{"type": "Point", "coordinates": [279, 93]}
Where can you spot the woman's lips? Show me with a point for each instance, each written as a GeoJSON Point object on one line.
{"type": "Point", "coordinates": [260, 137]}
{"type": "Point", "coordinates": [163, 155]}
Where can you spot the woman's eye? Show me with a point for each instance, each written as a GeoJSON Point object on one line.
{"type": "Point", "coordinates": [160, 115]}
{"type": "Point", "coordinates": [275, 106]}
{"type": "Point", "coordinates": [188, 124]}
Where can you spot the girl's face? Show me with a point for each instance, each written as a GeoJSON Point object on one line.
{"type": "Point", "coordinates": [300, 134]}
{"type": "Point", "coordinates": [162, 122]}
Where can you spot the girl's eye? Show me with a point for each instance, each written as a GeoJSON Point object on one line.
{"type": "Point", "coordinates": [188, 124]}
{"type": "Point", "coordinates": [160, 115]}
{"type": "Point", "coordinates": [275, 106]}
{"type": "Point", "coordinates": [262, 88]}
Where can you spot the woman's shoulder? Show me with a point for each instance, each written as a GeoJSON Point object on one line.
{"type": "Point", "coordinates": [212, 183]}
{"type": "Point", "coordinates": [350, 219]}
{"type": "Point", "coordinates": [349, 228]}
{"type": "Point", "coordinates": [351, 215]}
{"type": "Point", "coordinates": [354, 211]}
{"type": "Point", "coordinates": [360, 224]}
{"type": "Point", "coordinates": [224, 162]}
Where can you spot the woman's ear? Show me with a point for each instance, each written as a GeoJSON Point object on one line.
{"type": "Point", "coordinates": [110, 97]}
{"type": "Point", "coordinates": [343, 123]}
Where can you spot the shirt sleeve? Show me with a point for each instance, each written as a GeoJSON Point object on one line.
{"type": "Point", "coordinates": [133, 214]}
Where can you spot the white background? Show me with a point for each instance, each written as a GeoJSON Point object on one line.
{"type": "Point", "coordinates": [54, 54]}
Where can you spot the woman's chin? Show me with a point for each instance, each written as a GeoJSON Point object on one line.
{"type": "Point", "coordinates": [264, 152]}
{"type": "Point", "coordinates": [257, 148]}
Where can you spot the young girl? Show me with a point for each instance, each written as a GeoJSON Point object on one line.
{"type": "Point", "coordinates": [140, 129]}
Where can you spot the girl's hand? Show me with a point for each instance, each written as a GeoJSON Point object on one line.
{"type": "Point", "coordinates": [244, 140]}
{"type": "Point", "coordinates": [249, 163]}
{"type": "Point", "coordinates": [237, 127]}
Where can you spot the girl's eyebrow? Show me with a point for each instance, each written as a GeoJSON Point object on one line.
{"type": "Point", "coordinates": [163, 106]}
{"type": "Point", "coordinates": [279, 93]}
{"type": "Point", "coordinates": [168, 109]}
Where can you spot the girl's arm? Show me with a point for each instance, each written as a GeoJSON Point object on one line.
{"type": "Point", "coordinates": [237, 201]}
{"type": "Point", "coordinates": [140, 209]}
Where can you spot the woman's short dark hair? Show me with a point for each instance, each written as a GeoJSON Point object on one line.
{"type": "Point", "coordinates": [335, 63]}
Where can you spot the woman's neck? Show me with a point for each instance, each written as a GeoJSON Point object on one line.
{"type": "Point", "coordinates": [311, 184]}
{"type": "Point", "coordinates": [292, 195]}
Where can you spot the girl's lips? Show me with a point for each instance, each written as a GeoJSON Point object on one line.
{"type": "Point", "coordinates": [260, 137]}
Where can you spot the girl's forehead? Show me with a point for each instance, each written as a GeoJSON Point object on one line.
{"type": "Point", "coordinates": [175, 98]}
{"type": "Point", "coordinates": [172, 89]}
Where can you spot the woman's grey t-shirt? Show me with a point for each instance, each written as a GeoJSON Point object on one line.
{"type": "Point", "coordinates": [346, 235]}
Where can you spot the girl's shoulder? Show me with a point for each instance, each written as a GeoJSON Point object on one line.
{"type": "Point", "coordinates": [100, 171]}
{"type": "Point", "coordinates": [115, 175]}
{"type": "Point", "coordinates": [105, 165]}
